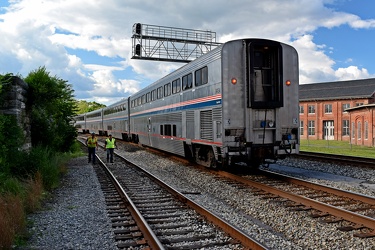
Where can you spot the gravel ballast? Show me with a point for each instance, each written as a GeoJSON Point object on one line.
{"type": "Point", "coordinates": [66, 223]}
{"type": "Point", "coordinates": [75, 217]}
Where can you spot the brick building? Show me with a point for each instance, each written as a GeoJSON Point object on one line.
{"type": "Point", "coordinates": [343, 111]}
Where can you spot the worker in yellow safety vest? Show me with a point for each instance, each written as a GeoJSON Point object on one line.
{"type": "Point", "coordinates": [92, 144]}
{"type": "Point", "coordinates": [110, 145]}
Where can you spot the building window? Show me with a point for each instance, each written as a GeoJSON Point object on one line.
{"type": "Point", "coordinates": [359, 104]}
{"type": "Point", "coordinates": [301, 127]}
{"type": "Point", "coordinates": [353, 130]}
{"type": "Point", "coordinates": [301, 109]}
{"type": "Point", "coordinates": [311, 109]}
{"type": "Point", "coordinates": [366, 130]}
{"type": "Point", "coordinates": [345, 127]}
{"type": "Point", "coordinates": [345, 106]}
{"type": "Point", "coordinates": [311, 128]}
{"type": "Point", "coordinates": [328, 108]}
{"type": "Point", "coordinates": [359, 131]}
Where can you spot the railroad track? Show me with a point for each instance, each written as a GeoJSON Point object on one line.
{"type": "Point", "coordinates": [168, 219]}
{"type": "Point", "coordinates": [353, 211]}
{"type": "Point", "coordinates": [129, 228]}
{"type": "Point", "coordinates": [360, 228]}
{"type": "Point", "coordinates": [338, 159]}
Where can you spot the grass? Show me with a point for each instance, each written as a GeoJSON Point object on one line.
{"type": "Point", "coordinates": [337, 147]}
{"type": "Point", "coordinates": [12, 219]}
{"type": "Point", "coordinates": [23, 194]}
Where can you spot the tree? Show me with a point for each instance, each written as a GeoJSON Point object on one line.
{"type": "Point", "coordinates": [84, 106]}
{"type": "Point", "coordinates": [52, 110]}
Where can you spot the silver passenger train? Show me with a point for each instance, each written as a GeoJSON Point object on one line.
{"type": "Point", "coordinates": [236, 104]}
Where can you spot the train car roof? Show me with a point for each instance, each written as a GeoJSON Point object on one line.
{"type": "Point", "coordinates": [122, 101]}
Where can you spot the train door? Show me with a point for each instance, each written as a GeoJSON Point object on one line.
{"type": "Point", "coordinates": [266, 92]}
{"type": "Point", "coordinates": [329, 129]}
{"type": "Point", "coordinates": [149, 131]}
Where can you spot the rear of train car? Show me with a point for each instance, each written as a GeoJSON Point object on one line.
{"type": "Point", "coordinates": [260, 101]}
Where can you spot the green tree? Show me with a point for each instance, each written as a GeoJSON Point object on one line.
{"type": "Point", "coordinates": [52, 110]}
{"type": "Point", "coordinates": [84, 106]}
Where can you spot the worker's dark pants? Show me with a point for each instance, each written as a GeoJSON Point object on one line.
{"type": "Point", "coordinates": [92, 155]}
{"type": "Point", "coordinates": [110, 154]}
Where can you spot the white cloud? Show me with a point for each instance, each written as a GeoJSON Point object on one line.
{"type": "Point", "coordinates": [351, 72]}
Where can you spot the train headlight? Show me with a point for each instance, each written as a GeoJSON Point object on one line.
{"type": "Point", "coordinates": [271, 124]}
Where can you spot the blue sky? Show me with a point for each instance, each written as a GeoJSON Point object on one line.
{"type": "Point", "coordinates": [88, 42]}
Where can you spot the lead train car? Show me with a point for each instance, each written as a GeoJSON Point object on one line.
{"type": "Point", "coordinates": [236, 104]}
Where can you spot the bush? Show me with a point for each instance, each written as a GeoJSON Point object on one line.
{"type": "Point", "coordinates": [46, 162]}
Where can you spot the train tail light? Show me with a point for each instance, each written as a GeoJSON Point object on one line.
{"type": "Point", "coordinates": [288, 82]}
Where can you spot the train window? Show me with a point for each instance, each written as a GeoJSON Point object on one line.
{"type": "Point", "coordinates": [161, 130]}
{"type": "Point", "coordinates": [266, 85]}
{"type": "Point", "coordinates": [201, 76]}
{"type": "Point", "coordinates": [168, 129]}
{"type": "Point", "coordinates": [160, 93]}
{"type": "Point", "coordinates": [187, 81]}
{"type": "Point", "coordinates": [176, 86]}
{"type": "Point", "coordinates": [148, 95]}
{"type": "Point", "coordinates": [143, 99]}
{"type": "Point", "coordinates": [174, 132]}
{"type": "Point", "coordinates": [167, 89]}
{"type": "Point", "coordinates": [153, 95]}
{"type": "Point", "coordinates": [139, 101]}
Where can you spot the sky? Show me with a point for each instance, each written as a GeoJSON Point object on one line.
{"type": "Point", "coordinates": [88, 42]}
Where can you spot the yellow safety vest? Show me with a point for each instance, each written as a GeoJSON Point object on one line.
{"type": "Point", "coordinates": [91, 142]}
{"type": "Point", "coordinates": [110, 143]}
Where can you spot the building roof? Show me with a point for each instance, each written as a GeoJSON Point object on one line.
{"type": "Point", "coordinates": [353, 89]}
{"type": "Point", "coordinates": [368, 106]}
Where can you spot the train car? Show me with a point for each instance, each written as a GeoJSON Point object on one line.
{"type": "Point", "coordinates": [94, 122]}
{"type": "Point", "coordinates": [80, 123]}
{"type": "Point", "coordinates": [236, 104]}
{"type": "Point", "coordinates": [116, 119]}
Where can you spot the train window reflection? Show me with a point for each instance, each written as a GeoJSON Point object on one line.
{"type": "Point", "coordinates": [201, 76]}
{"type": "Point", "coordinates": [187, 81]}
{"type": "Point", "coordinates": [176, 86]}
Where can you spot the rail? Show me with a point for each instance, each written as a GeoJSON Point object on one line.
{"type": "Point", "coordinates": [342, 159]}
